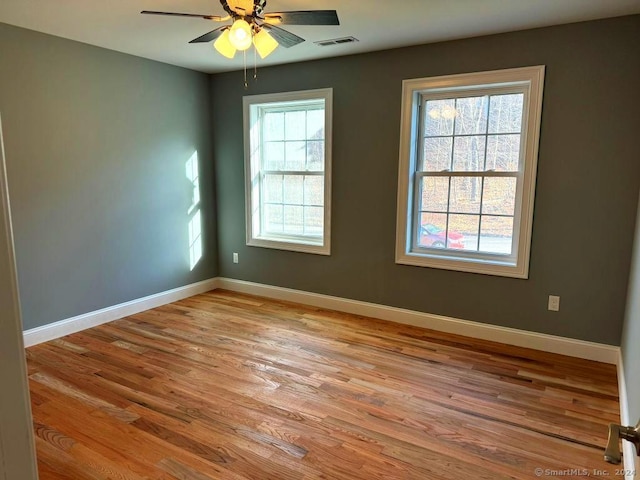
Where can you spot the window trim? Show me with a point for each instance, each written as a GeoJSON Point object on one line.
{"type": "Point", "coordinates": [531, 77]}
{"type": "Point", "coordinates": [295, 244]}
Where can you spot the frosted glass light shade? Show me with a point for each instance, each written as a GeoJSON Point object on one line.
{"type": "Point", "coordinates": [240, 35]}
{"type": "Point", "coordinates": [223, 45]}
{"type": "Point", "coordinates": [265, 44]}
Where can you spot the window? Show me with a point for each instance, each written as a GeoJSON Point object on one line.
{"type": "Point", "coordinates": [288, 170]}
{"type": "Point", "coordinates": [468, 155]}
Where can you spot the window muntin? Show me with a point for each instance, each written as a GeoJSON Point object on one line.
{"type": "Point", "coordinates": [288, 167]}
{"type": "Point", "coordinates": [467, 171]}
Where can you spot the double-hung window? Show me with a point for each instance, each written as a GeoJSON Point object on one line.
{"type": "Point", "coordinates": [468, 160]}
{"type": "Point", "coordinates": [288, 170]}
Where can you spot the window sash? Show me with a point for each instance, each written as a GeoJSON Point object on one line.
{"type": "Point", "coordinates": [287, 236]}
{"type": "Point", "coordinates": [307, 173]}
{"type": "Point", "coordinates": [303, 105]}
{"type": "Point", "coordinates": [467, 173]}
{"type": "Point", "coordinates": [417, 212]}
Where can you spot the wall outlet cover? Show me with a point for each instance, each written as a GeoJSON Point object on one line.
{"type": "Point", "coordinates": [554, 303]}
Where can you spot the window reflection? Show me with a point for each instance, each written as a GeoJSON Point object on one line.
{"type": "Point", "coordinates": [195, 222]}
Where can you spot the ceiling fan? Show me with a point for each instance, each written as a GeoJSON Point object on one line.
{"type": "Point", "coordinates": [251, 26]}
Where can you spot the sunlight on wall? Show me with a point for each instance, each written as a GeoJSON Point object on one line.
{"type": "Point", "coordinates": [195, 222]}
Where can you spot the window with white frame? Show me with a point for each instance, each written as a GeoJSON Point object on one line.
{"type": "Point", "coordinates": [468, 156]}
{"type": "Point", "coordinates": [288, 170]}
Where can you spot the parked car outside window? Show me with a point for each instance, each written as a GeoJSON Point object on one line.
{"type": "Point", "coordinates": [434, 237]}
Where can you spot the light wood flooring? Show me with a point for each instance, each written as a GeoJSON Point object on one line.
{"type": "Point", "coordinates": [228, 386]}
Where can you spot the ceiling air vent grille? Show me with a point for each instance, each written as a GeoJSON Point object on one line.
{"type": "Point", "coordinates": [336, 41]}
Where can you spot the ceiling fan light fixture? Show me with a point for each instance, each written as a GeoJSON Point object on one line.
{"type": "Point", "coordinates": [240, 34]}
{"type": "Point", "coordinates": [264, 43]}
{"type": "Point", "coordinates": [247, 27]}
{"type": "Point", "coordinates": [224, 46]}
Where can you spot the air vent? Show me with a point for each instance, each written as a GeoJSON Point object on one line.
{"type": "Point", "coordinates": [336, 41]}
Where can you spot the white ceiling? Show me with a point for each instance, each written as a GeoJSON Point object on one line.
{"type": "Point", "coordinates": [378, 24]}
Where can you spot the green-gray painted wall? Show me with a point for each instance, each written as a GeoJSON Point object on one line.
{"type": "Point", "coordinates": [587, 185]}
{"type": "Point", "coordinates": [96, 144]}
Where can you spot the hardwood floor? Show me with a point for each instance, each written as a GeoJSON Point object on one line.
{"type": "Point", "coordinates": [228, 386]}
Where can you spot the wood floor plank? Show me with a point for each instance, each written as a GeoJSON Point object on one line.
{"type": "Point", "coordinates": [236, 387]}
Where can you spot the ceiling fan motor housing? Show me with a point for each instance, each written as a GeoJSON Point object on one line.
{"type": "Point", "coordinates": [244, 8]}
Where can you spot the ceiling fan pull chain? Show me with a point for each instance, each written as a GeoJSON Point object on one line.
{"type": "Point", "coordinates": [255, 65]}
{"type": "Point", "coordinates": [246, 85]}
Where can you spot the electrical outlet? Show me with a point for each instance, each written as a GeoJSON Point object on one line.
{"type": "Point", "coordinates": [554, 303]}
{"type": "Point", "coordinates": [235, 258]}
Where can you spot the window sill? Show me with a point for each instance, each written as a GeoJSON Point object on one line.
{"type": "Point", "coordinates": [293, 246]}
{"type": "Point", "coordinates": [484, 267]}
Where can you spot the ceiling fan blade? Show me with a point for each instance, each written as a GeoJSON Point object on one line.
{"type": "Point", "coordinates": [208, 37]}
{"type": "Point", "coordinates": [215, 18]}
{"type": "Point", "coordinates": [303, 17]}
{"type": "Point", "coordinates": [282, 36]}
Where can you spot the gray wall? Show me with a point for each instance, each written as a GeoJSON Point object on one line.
{"type": "Point", "coordinates": [587, 190]}
{"type": "Point", "coordinates": [631, 332]}
{"type": "Point", "coordinates": [96, 144]}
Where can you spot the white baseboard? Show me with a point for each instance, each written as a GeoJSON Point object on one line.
{"type": "Point", "coordinates": [59, 329]}
{"type": "Point", "coordinates": [511, 336]}
{"type": "Point", "coordinates": [629, 456]}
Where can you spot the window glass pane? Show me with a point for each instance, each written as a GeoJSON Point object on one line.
{"type": "Point", "coordinates": [273, 126]}
{"type": "Point", "coordinates": [296, 156]}
{"type": "Point", "coordinates": [315, 124]}
{"type": "Point", "coordinates": [496, 234]}
{"type": "Point", "coordinates": [313, 221]}
{"type": "Point", "coordinates": [314, 190]}
{"type": "Point", "coordinates": [465, 194]}
{"type": "Point", "coordinates": [293, 219]}
{"type": "Point", "coordinates": [499, 196]}
{"type": "Point", "coordinates": [315, 156]}
{"type": "Point", "coordinates": [463, 232]}
{"type": "Point", "coordinates": [273, 155]}
{"type": "Point", "coordinates": [435, 194]}
{"type": "Point", "coordinates": [295, 125]}
{"type": "Point", "coordinates": [438, 119]}
{"type": "Point", "coordinates": [503, 153]}
{"type": "Point", "coordinates": [471, 115]}
{"type": "Point", "coordinates": [273, 218]}
{"type": "Point", "coordinates": [505, 113]}
{"type": "Point", "coordinates": [273, 188]}
{"type": "Point", "coordinates": [293, 189]}
{"type": "Point", "coordinates": [431, 232]}
{"type": "Point", "coordinates": [437, 154]}
{"type": "Point", "coordinates": [468, 153]}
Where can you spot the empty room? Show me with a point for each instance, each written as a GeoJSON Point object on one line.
{"type": "Point", "coordinates": [254, 240]}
